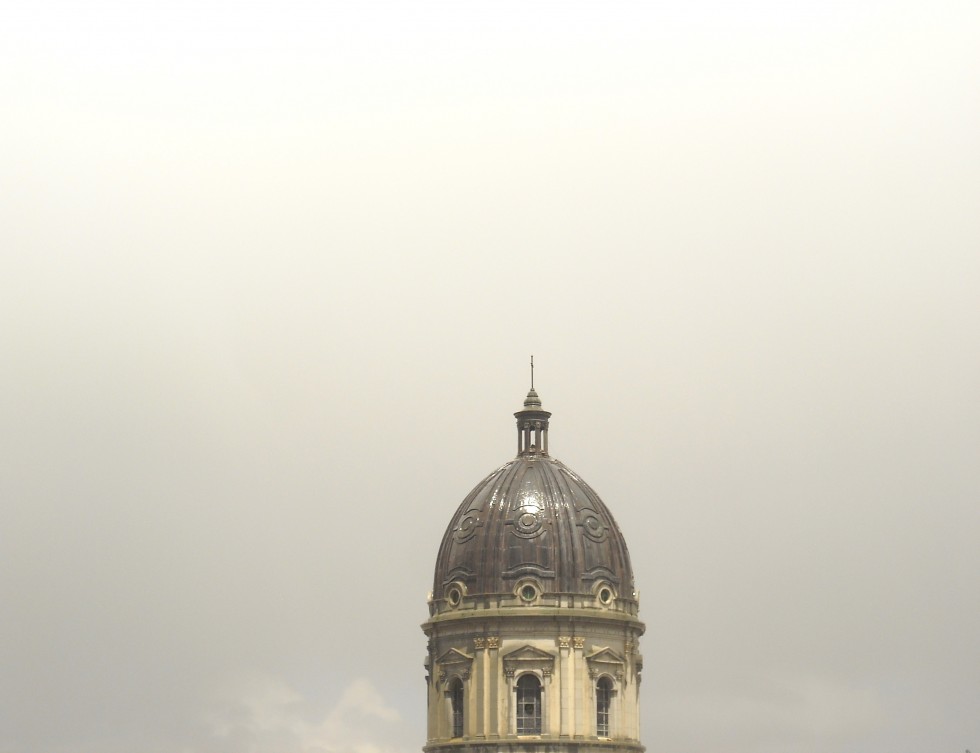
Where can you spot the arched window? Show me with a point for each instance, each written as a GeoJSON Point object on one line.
{"type": "Point", "coordinates": [528, 705]}
{"type": "Point", "coordinates": [603, 699]}
{"type": "Point", "coordinates": [456, 706]}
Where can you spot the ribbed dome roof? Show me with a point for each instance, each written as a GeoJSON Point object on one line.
{"type": "Point", "coordinates": [533, 517]}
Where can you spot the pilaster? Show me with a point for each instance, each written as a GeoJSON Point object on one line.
{"type": "Point", "coordinates": [480, 697]}
{"type": "Point", "coordinates": [493, 672]}
{"type": "Point", "coordinates": [580, 673]}
{"type": "Point", "coordinates": [567, 678]}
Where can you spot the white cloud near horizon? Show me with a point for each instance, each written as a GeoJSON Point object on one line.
{"type": "Point", "coordinates": [269, 716]}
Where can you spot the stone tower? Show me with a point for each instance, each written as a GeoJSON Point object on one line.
{"type": "Point", "coordinates": [533, 628]}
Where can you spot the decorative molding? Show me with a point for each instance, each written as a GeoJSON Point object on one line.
{"type": "Point", "coordinates": [454, 656]}
{"type": "Point", "coordinates": [592, 526]}
{"type": "Point", "coordinates": [605, 661]}
{"type": "Point", "coordinates": [453, 663]}
{"type": "Point", "coordinates": [527, 568]}
{"type": "Point", "coordinates": [600, 572]}
{"type": "Point", "coordinates": [460, 573]}
{"type": "Point", "coordinates": [528, 658]}
{"type": "Point", "coordinates": [466, 529]}
{"type": "Point", "coordinates": [528, 523]}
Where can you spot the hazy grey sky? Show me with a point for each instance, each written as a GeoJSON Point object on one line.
{"type": "Point", "coordinates": [269, 278]}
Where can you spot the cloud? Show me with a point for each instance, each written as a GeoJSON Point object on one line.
{"type": "Point", "coordinates": [269, 716]}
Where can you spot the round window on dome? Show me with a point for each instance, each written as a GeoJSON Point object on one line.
{"type": "Point", "coordinates": [529, 592]}
{"type": "Point", "coordinates": [454, 596]}
{"type": "Point", "coordinates": [605, 595]}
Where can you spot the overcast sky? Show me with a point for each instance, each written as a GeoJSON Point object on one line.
{"type": "Point", "coordinates": [270, 274]}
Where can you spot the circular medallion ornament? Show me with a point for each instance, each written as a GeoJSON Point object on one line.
{"type": "Point", "coordinates": [467, 528]}
{"type": "Point", "coordinates": [593, 528]}
{"type": "Point", "coordinates": [527, 524]}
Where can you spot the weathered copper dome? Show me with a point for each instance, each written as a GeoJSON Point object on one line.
{"type": "Point", "coordinates": [533, 523]}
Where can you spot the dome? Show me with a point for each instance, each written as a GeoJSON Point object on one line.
{"type": "Point", "coordinates": [533, 522]}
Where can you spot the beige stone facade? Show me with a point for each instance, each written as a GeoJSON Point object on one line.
{"type": "Point", "coordinates": [568, 650]}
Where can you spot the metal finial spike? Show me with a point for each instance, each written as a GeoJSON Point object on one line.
{"type": "Point", "coordinates": [532, 372]}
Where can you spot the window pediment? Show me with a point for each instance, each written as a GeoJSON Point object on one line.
{"type": "Point", "coordinates": [453, 662]}
{"type": "Point", "coordinates": [606, 661]}
{"type": "Point", "coordinates": [528, 658]}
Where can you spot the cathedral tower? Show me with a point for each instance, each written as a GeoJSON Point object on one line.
{"type": "Point", "coordinates": [533, 628]}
